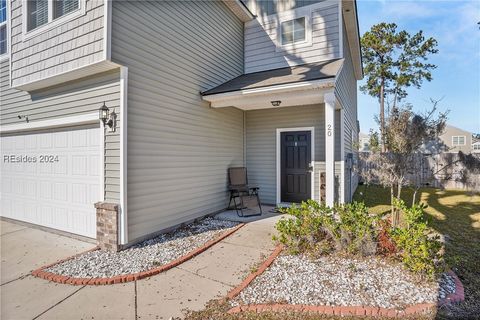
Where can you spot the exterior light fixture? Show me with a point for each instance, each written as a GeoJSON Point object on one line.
{"type": "Point", "coordinates": [276, 103]}
{"type": "Point", "coordinates": [108, 118]}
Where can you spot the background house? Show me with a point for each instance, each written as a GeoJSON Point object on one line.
{"type": "Point", "coordinates": [452, 140]}
{"type": "Point", "coordinates": [192, 88]}
{"type": "Point", "coordinates": [363, 142]}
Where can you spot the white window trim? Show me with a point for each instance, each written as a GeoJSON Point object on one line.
{"type": "Point", "coordinates": [7, 26]}
{"type": "Point", "coordinates": [476, 144]}
{"type": "Point", "coordinates": [292, 15]}
{"type": "Point", "coordinates": [52, 23]}
{"type": "Point", "coordinates": [278, 160]}
{"type": "Point", "coordinates": [458, 144]}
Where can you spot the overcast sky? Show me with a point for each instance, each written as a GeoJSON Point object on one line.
{"type": "Point", "coordinates": [457, 78]}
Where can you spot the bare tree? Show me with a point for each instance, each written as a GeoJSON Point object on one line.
{"type": "Point", "coordinates": [405, 133]}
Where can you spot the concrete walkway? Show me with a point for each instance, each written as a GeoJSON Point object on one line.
{"type": "Point", "coordinates": [189, 286]}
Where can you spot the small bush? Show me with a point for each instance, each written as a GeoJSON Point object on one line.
{"type": "Point", "coordinates": [386, 246]}
{"type": "Point", "coordinates": [419, 250]}
{"type": "Point", "coordinates": [316, 229]}
{"type": "Point", "coordinates": [309, 229]}
{"type": "Point", "coordinates": [356, 229]}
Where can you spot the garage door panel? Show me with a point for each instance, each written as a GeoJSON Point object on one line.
{"type": "Point", "coordinates": [61, 140]}
{"type": "Point", "coordinates": [61, 167]}
{"type": "Point", "coordinates": [59, 194]}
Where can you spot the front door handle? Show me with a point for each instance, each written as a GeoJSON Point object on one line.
{"type": "Point", "coordinates": [310, 168]}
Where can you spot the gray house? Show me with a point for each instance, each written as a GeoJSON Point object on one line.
{"type": "Point", "coordinates": [145, 105]}
{"type": "Point", "coordinates": [452, 140]}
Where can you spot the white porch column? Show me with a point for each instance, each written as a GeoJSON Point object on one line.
{"type": "Point", "coordinates": [330, 148]}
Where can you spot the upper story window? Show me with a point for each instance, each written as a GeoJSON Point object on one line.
{"type": "Point", "coordinates": [62, 7]}
{"type": "Point", "coordinates": [476, 146]}
{"type": "Point", "coordinates": [293, 31]}
{"type": "Point", "coordinates": [42, 12]}
{"type": "Point", "coordinates": [458, 140]}
{"type": "Point", "coordinates": [3, 27]}
{"type": "Point", "coordinates": [37, 12]}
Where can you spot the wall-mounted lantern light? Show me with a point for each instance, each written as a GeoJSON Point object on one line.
{"type": "Point", "coordinates": [108, 118]}
{"type": "Point", "coordinates": [276, 103]}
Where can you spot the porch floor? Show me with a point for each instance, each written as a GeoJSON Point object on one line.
{"type": "Point", "coordinates": [231, 215]}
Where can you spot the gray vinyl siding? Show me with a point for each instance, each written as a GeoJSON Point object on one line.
{"type": "Point", "coordinates": [179, 148]}
{"type": "Point", "coordinates": [261, 42]}
{"type": "Point", "coordinates": [261, 135]}
{"type": "Point", "coordinates": [73, 98]}
{"type": "Point", "coordinates": [346, 93]}
{"type": "Point", "coordinates": [269, 7]}
{"type": "Point", "coordinates": [446, 140]}
{"type": "Point", "coordinates": [62, 48]}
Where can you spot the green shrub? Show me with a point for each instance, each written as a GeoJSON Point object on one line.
{"type": "Point", "coordinates": [357, 229]}
{"type": "Point", "coordinates": [418, 247]}
{"type": "Point", "coordinates": [316, 229]}
{"type": "Point", "coordinates": [307, 231]}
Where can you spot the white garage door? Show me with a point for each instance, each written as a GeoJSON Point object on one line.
{"type": "Point", "coordinates": [52, 178]}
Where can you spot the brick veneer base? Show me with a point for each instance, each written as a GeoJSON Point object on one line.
{"type": "Point", "coordinates": [107, 226]}
{"type": "Point", "coordinates": [419, 308]}
{"type": "Point", "coordinates": [41, 273]}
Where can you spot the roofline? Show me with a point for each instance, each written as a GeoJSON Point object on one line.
{"type": "Point", "coordinates": [291, 86]}
{"type": "Point", "coordinates": [272, 86]}
{"type": "Point", "coordinates": [246, 9]}
{"type": "Point", "coordinates": [240, 10]}
{"type": "Point", "coordinates": [358, 38]}
{"type": "Point", "coordinates": [460, 129]}
{"type": "Point", "coordinates": [353, 35]}
{"type": "Point", "coordinates": [289, 67]}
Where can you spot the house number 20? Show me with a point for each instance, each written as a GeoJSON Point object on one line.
{"type": "Point", "coordinates": [329, 130]}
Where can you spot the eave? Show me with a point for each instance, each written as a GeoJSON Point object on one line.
{"type": "Point", "coordinates": [350, 15]}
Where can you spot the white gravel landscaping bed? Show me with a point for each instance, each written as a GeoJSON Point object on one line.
{"type": "Point", "coordinates": [333, 280]}
{"type": "Point", "coordinates": [145, 255]}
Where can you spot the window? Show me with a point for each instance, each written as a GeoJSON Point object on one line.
{"type": "Point", "coordinates": [38, 11]}
{"type": "Point", "coordinates": [62, 7]}
{"type": "Point", "coordinates": [458, 140]}
{"type": "Point", "coordinates": [476, 146]}
{"type": "Point", "coordinates": [3, 27]}
{"type": "Point", "coordinates": [293, 31]}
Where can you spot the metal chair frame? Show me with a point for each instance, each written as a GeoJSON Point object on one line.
{"type": "Point", "coordinates": [238, 191]}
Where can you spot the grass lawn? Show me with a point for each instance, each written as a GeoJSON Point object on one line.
{"type": "Point", "coordinates": [453, 213]}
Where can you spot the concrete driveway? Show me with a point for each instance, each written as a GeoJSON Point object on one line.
{"type": "Point", "coordinates": [189, 286]}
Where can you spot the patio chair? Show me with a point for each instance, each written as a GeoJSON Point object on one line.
{"type": "Point", "coordinates": [245, 197]}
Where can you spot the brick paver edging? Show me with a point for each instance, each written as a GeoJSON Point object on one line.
{"type": "Point", "coordinates": [458, 295]}
{"type": "Point", "coordinates": [236, 291]}
{"type": "Point", "coordinates": [41, 273]}
{"type": "Point", "coordinates": [419, 308]}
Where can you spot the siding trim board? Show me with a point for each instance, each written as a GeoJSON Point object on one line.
{"type": "Point", "coordinates": [51, 123]}
{"type": "Point", "coordinates": [68, 75]}
{"type": "Point", "coordinates": [107, 29]}
{"type": "Point", "coordinates": [278, 160]}
{"type": "Point", "coordinates": [123, 156]}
